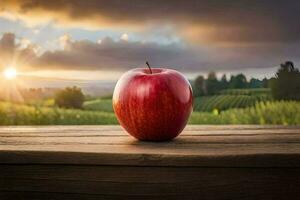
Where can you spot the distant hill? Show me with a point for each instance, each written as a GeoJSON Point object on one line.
{"type": "Point", "coordinates": [89, 87]}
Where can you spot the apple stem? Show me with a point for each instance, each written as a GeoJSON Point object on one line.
{"type": "Point", "coordinates": [149, 67]}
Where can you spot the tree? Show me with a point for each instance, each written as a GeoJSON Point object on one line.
{"type": "Point", "coordinates": [212, 84]}
{"type": "Point", "coordinates": [239, 81]}
{"type": "Point", "coordinates": [199, 86]}
{"type": "Point", "coordinates": [223, 82]}
{"type": "Point", "coordinates": [255, 83]}
{"type": "Point", "coordinates": [70, 97]}
{"type": "Point", "coordinates": [265, 83]}
{"type": "Point", "coordinates": [286, 84]}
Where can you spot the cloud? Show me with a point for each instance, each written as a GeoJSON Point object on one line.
{"type": "Point", "coordinates": [24, 43]}
{"type": "Point", "coordinates": [110, 55]}
{"type": "Point", "coordinates": [106, 55]}
{"type": "Point", "coordinates": [124, 37]}
{"type": "Point", "coordinates": [228, 22]}
{"type": "Point", "coordinates": [124, 55]}
{"type": "Point", "coordinates": [64, 40]}
{"type": "Point", "coordinates": [121, 55]}
{"type": "Point", "coordinates": [36, 31]}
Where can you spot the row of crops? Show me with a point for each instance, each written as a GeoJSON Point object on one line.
{"type": "Point", "coordinates": [224, 102]}
{"type": "Point", "coordinates": [257, 91]}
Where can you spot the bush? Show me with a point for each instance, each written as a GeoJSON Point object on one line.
{"type": "Point", "coordinates": [199, 86]}
{"type": "Point", "coordinates": [70, 97]}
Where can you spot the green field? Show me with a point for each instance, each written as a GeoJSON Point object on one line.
{"type": "Point", "coordinates": [232, 98]}
{"type": "Point", "coordinates": [284, 112]}
{"type": "Point", "coordinates": [224, 102]}
{"type": "Point", "coordinates": [14, 114]}
{"type": "Point", "coordinates": [98, 105]}
{"type": "Point", "coordinates": [244, 106]}
{"type": "Point", "coordinates": [256, 91]}
{"type": "Point", "coordinates": [280, 112]}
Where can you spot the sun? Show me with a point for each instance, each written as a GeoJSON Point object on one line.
{"type": "Point", "coordinates": [10, 73]}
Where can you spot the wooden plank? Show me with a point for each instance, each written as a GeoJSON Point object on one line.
{"type": "Point", "coordinates": [33, 195]}
{"type": "Point", "coordinates": [118, 128]}
{"type": "Point", "coordinates": [191, 139]}
{"type": "Point", "coordinates": [142, 174]}
{"type": "Point", "coordinates": [162, 148]}
{"type": "Point", "coordinates": [102, 133]}
{"type": "Point", "coordinates": [241, 159]}
{"type": "Point", "coordinates": [103, 162]}
{"type": "Point", "coordinates": [219, 146]}
{"type": "Point", "coordinates": [153, 182]}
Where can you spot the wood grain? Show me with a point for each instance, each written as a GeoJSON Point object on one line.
{"type": "Point", "coordinates": [103, 162]}
{"type": "Point", "coordinates": [223, 146]}
{"type": "Point", "coordinates": [153, 182]}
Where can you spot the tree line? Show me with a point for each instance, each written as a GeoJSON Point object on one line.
{"type": "Point", "coordinates": [285, 85]}
{"type": "Point", "coordinates": [212, 85]}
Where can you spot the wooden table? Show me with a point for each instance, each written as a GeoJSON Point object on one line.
{"type": "Point", "coordinates": [103, 162]}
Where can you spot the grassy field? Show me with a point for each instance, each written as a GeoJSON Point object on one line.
{"type": "Point", "coordinates": [14, 114]}
{"type": "Point", "coordinates": [99, 105]}
{"type": "Point", "coordinates": [286, 113]}
{"type": "Point", "coordinates": [280, 112]}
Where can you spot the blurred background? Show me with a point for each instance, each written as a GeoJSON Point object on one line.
{"type": "Point", "coordinates": [60, 60]}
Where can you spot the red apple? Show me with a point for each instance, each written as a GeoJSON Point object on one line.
{"type": "Point", "coordinates": [153, 105]}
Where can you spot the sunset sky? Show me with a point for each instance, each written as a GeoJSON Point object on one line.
{"type": "Point", "coordinates": [101, 39]}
